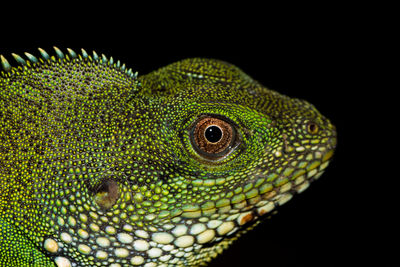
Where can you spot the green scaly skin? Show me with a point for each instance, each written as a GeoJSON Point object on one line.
{"type": "Point", "coordinates": [99, 167]}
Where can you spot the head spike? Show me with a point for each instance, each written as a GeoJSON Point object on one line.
{"type": "Point", "coordinates": [104, 59]}
{"type": "Point", "coordinates": [19, 59]}
{"type": "Point", "coordinates": [95, 56]}
{"type": "Point", "coordinates": [4, 63]}
{"type": "Point", "coordinates": [31, 57]}
{"type": "Point", "coordinates": [84, 53]}
{"type": "Point", "coordinates": [59, 53]}
{"type": "Point", "coordinates": [71, 53]}
{"type": "Point", "coordinates": [44, 54]}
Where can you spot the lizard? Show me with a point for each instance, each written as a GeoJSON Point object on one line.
{"type": "Point", "coordinates": [102, 167]}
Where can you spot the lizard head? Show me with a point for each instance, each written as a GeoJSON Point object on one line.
{"type": "Point", "coordinates": [238, 150]}
{"type": "Point", "coordinates": [164, 169]}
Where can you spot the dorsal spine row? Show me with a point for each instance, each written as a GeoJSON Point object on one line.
{"type": "Point", "coordinates": [31, 59]}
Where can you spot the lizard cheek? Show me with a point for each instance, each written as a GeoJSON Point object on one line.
{"type": "Point", "coordinates": [107, 194]}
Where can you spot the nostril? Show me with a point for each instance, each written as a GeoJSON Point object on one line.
{"type": "Point", "coordinates": [312, 128]}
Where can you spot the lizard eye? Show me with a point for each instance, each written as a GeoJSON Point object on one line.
{"type": "Point", "coordinates": [213, 138]}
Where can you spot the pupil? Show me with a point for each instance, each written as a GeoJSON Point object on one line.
{"type": "Point", "coordinates": [213, 134]}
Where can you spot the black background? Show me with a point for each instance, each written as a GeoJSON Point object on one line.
{"type": "Point", "coordinates": [329, 58]}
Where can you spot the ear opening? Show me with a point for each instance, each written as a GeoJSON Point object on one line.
{"type": "Point", "coordinates": [106, 194]}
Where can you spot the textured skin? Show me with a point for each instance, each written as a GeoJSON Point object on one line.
{"type": "Point", "coordinates": [98, 167]}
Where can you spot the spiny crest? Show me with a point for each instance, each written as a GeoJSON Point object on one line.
{"type": "Point", "coordinates": [70, 55]}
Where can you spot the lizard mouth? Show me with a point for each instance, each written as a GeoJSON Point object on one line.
{"type": "Point", "coordinates": [261, 200]}
{"type": "Point", "coordinates": [228, 222]}
{"type": "Point", "coordinates": [266, 202]}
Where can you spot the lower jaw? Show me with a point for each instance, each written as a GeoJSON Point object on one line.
{"type": "Point", "coordinates": [251, 209]}
{"type": "Point", "coordinates": [235, 219]}
{"type": "Point", "coordinates": [249, 213]}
